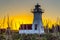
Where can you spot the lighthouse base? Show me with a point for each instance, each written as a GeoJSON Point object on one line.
{"type": "Point", "coordinates": [30, 32]}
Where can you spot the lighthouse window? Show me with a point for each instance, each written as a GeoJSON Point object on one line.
{"type": "Point", "coordinates": [35, 26]}
{"type": "Point", "coordinates": [26, 27]}
{"type": "Point", "coordinates": [21, 27]}
{"type": "Point", "coordinates": [29, 27]}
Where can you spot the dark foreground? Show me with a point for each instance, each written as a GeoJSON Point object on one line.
{"type": "Point", "coordinates": [16, 36]}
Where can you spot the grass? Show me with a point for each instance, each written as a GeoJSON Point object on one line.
{"type": "Point", "coordinates": [16, 36]}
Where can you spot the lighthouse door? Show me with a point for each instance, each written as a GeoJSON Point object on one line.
{"type": "Point", "coordinates": [35, 26]}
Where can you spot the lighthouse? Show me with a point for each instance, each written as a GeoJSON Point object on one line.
{"type": "Point", "coordinates": [37, 21]}
{"type": "Point", "coordinates": [36, 27]}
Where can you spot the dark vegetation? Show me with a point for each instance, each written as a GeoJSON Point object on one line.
{"type": "Point", "coordinates": [17, 36]}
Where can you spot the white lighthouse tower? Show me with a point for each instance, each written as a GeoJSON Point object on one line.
{"type": "Point", "coordinates": [37, 21]}
{"type": "Point", "coordinates": [37, 26]}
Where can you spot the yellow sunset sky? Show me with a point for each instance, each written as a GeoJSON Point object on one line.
{"type": "Point", "coordinates": [19, 12]}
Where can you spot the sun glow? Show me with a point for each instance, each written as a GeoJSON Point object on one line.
{"type": "Point", "coordinates": [15, 21]}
